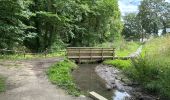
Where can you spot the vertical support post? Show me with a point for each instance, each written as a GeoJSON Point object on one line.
{"type": "Point", "coordinates": [66, 52]}
{"type": "Point", "coordinates": [91, 54]}
{"type": "Point", "coordinates": [102, 54]}
{"type": "Point", "coordinates": [79, 56]}
{"type": "Point", "coordinates": [24, 54]}
{"type": "Point", "coordinates": [46, 52]}
{"type": "Point", "coordinates": [113, 54]}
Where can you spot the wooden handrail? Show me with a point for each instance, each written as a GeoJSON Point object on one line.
{"type": "Point", "coordinates": [90, 53]}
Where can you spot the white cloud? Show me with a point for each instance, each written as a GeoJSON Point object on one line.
{"type": "Point", "coordinates": [167, 0]}
{"type": "Point", "coordinates": [128, 6]}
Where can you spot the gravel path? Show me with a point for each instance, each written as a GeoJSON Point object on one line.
{"type": "Point", "coordinates": [26, 80]}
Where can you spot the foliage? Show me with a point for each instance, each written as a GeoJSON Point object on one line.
{"type": "Point", "coordinates": [152, 18]}
{"type": "Point", "coordinates": [152, 69]}
{"type": "Point", "coordinates": [123, 47]}
{"type": "Point", "coordinates": [11, 26]}
{"type": "Point", "coordinates": [121, 64]}
{"type": "Point", "coordinates": [2, 84]}
{"type": "Point", "coordinates": [42, 24]}
{"type": "Point", "coordinates": [132, 27]}
{"type": "Point", "coordinates": [151, 21]}
{"type": "Point", "coordinates": [60, 74]}
{"type": "Point", "coordinates": [73, 22]}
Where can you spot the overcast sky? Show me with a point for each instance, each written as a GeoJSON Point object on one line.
{"type": "Point", "coordinates": [128, 6]}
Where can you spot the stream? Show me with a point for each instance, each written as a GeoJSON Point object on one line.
{"type": "Point", "coordinates": [87, 80]}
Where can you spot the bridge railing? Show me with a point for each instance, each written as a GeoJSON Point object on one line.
{"type": "Point", "coordinates": [90, 53]}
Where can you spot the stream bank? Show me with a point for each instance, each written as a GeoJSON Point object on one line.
{"type": "Point", "coordinates": [107, 81]}
{"type": "Point", "coordinates": [116, 80]}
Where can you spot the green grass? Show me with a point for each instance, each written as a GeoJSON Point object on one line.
{"type": "Point", "coordinates": [29, 56]}
{"type": "Point", "coordinates": [121, 64]}
{"type": "Point", "coordinates": [2, 84]}
{"type": "Point", "coordinates": [123, 48]}
{"type": "Point", "coordinates": [127, 48]}
{"type": "Point", "coordinates": [60, 74]}
{"type": "Point", "coordinates": [152, 69]}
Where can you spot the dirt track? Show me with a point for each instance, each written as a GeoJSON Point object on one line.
{"type": "Point", "coordinates": [26, 80]}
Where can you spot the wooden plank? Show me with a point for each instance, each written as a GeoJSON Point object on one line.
{"type": "Point", "coordinates": [90, 53]}
{"type": "Point", "coordinates": [72, 57]}
{"type": "Point", "coordinates": [86, 48]}
{"type": "Point", "coordinates": [97, 96]}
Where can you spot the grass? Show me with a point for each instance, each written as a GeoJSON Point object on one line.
{"type": "Point", "coordinates": [152, 69]}
{"type": "Point", "coordinates": [123, 48]}
{"type": "Point", "coordinates": [60, 74]}
{"type": "Point", "coordinates": [29, 56]}
{"type": "Point", "coordinates": [121, 64]}
{"type": "Point", "coordinates": [2, 84]}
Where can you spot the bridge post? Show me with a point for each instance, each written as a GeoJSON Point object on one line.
{"type": "Point", "coordinates": [102, 54]}
{"type": "Point", "coordinates": [113, 53]}
{"type": "Point", "coordinates": [79, 61]}
{"type": "Point", "coordinates": [91, 54]}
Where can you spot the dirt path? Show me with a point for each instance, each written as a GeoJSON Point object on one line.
{"type": "Point", "coordinates": [26, 80]}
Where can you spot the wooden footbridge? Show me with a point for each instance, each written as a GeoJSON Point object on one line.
{"type": "Point", "coordinates": [90, 54]}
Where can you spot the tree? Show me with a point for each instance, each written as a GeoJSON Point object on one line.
{"type": "Point", "coordinates": [42, 24]}
{"type": "Point", "coordinates": [154, 15]}
{"type": "Point", "coordinates": [13, 12]}
{"type": "Point", "coordinates": [132, 26]}
{"type": "Point", "coordinates": [73, 22]}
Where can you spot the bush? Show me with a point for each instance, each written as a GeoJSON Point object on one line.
{"type": "Point", "coordinates": [121, 64]}
{"type": "Point", "coordinates": [60, 74]}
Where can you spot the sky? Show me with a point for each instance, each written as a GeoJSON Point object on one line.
{"type": "Point", "coordinates": [128, 6]}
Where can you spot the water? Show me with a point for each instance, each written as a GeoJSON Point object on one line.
{"type": "Point", "coordinates": [120, 95]}
{"type": "Point", "coordinates": [87, 80]}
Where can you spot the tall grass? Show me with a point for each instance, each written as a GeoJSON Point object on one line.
{"type": "Point", "coordinates": [123, 47]}
{"type": "Point", "coordinates": [152, 69]}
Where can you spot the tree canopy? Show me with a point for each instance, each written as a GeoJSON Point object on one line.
{"type": "Point", "coordinates": [41, 24]}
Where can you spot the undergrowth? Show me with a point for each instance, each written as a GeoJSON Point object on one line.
{"type": "Point", "coordinates": [152, 69]}
{"type": "Point", "coordinates": [60, 74]}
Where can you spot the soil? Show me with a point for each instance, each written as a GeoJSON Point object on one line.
{"type": "Point", "coordinates": [27, 80]}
